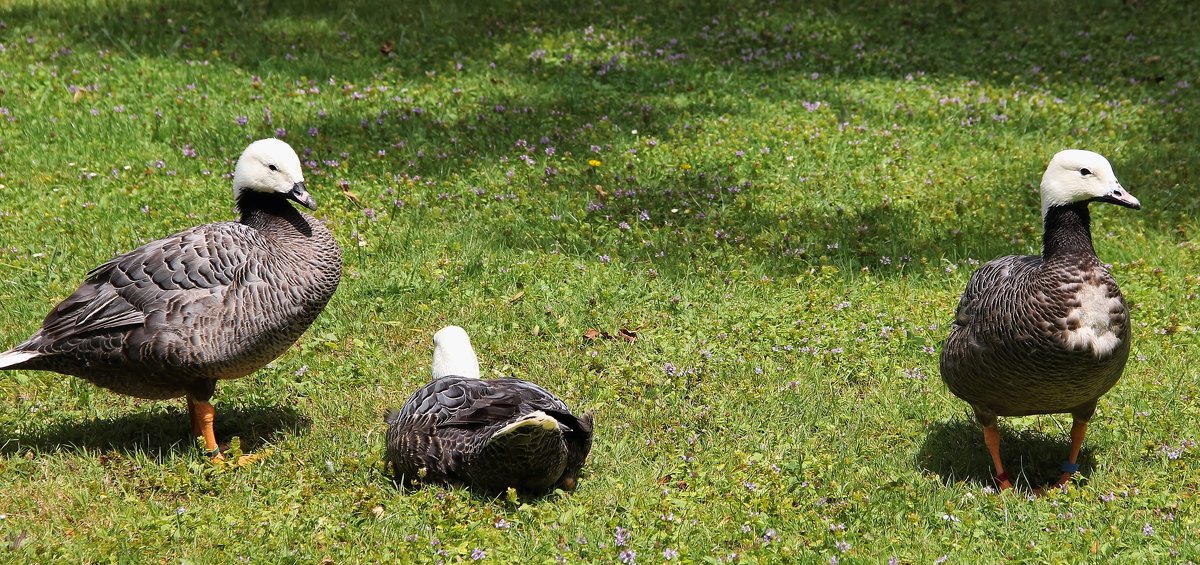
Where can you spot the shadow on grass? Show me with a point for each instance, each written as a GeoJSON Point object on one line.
{"type": "Point", "coordinates": [658, 80]}
{"type": "Point", "coordinates": [955, 451]}
{"type": "Point", "coordinates": [350, 39]}
{"type": "Point", "coordinates": [159, 432]}
{"type": "Point", "coordinates": [413, 487]}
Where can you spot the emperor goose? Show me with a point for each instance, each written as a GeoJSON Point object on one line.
{"type": "Point", "coordinates": [216, 301]}
{"type": "Point", "coordinates": [1044, 334]}
{"type": "Point", "coordinates": [487, 435]}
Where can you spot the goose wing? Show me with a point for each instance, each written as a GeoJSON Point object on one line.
{"type": "Point", "coordinates": [990, 285]}
{"type": "Point", "coordinates": [164, 275]}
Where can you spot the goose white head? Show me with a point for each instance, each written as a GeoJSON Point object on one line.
{"type": "Point", "coordinates": [453, 354]}
{"type": "Point", "coordinates": [1075, 175]}
{"type": "Point", "coordinates": [271, 166]}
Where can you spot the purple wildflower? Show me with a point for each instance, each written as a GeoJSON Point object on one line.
{"type": "Point", "coordinates": [620, 536]}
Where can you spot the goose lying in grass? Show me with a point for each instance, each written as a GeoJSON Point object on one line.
{"type": "Point", "coordinates": [487, 435]}
{"type": "Point", "coordinates": [1044, 334]}
{"type": "Point", "coordinates": [217, 301]}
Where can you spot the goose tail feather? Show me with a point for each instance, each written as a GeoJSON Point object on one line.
{"type": "Point", "coordinates": [12, 358]}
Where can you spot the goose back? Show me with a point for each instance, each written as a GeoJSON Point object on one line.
{"type": "Point", "coordinates": [453, 430]}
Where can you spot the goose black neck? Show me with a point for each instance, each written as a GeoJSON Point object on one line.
{"type": "Point", "coordinates": [1068, 232]}
{"type": "Point", "coordinates": [262, 210]}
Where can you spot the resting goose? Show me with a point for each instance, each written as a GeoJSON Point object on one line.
{"type": "Point", "coordinates": [217, 301]}
{"type": "Point", "coordinates": [487, 435]}
{"type": "Point", "coordinates": [1048, 334]}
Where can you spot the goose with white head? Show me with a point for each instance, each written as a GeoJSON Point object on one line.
{"type": "Point", "coordinates": [217, 301]}
{"type": "Point", "coordinates": [1044, 334]}
{"type": "Point", "coordinates": [489, 435]}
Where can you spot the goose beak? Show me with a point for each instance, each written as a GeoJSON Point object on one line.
{"type": "Point", "coordinates": [299, 194]}
{"type": "Point", "coordinates": [1121, 197]}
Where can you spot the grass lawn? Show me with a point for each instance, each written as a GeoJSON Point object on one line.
{"type": "Point", "coordinates": [782, 202]}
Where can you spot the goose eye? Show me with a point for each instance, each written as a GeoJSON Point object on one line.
{"type": "Point", "coordinates": [274, 168]}
{"type": "Point", "coordinates": [1084, 172]}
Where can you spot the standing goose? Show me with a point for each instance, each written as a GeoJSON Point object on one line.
{"type": "Point", "coordinates": [488, 435]}
{"type": "Point", "coordinates": [217, 301]}
{"type": "Point", "coordinates": [1048, 334]}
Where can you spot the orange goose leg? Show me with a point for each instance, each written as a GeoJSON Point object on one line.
{"type": "Point", "coordinates": [991, 438]}
{"type": "Point", "coordinates": [201, 413]}
{"type": "Point", "coordinates": [1069, 467]}
{"type": "Point", "coordinates": [192, 419]}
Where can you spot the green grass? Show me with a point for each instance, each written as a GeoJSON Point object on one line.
{"type": "Point", "coordinates": [790, 279]}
